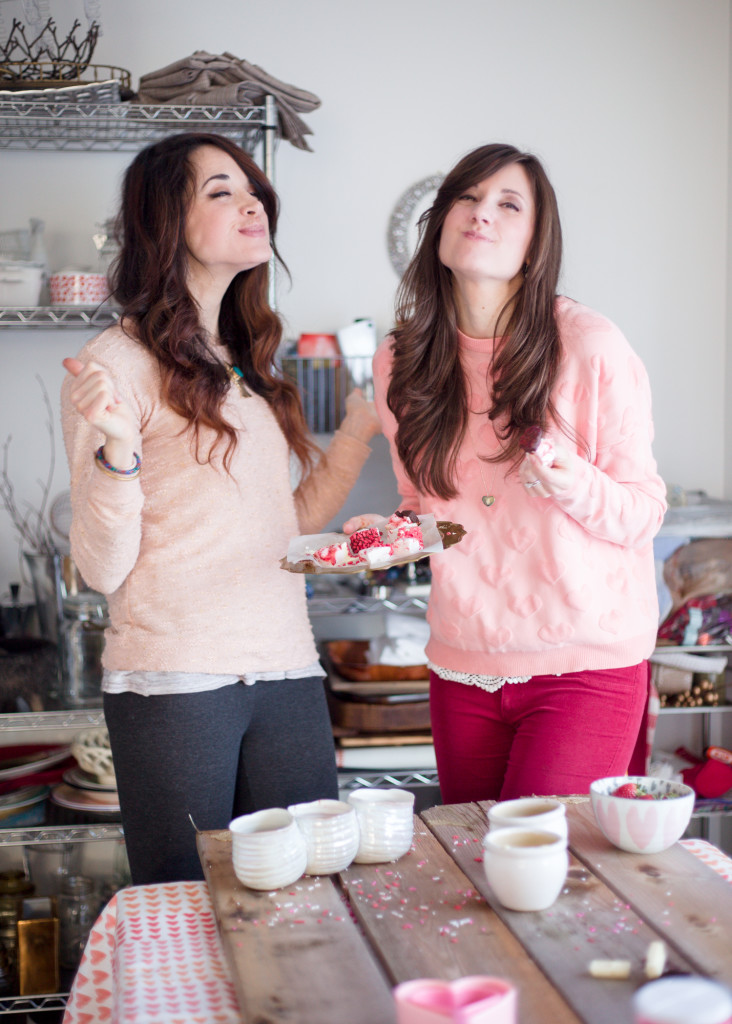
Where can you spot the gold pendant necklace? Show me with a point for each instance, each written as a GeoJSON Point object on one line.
{"type": "Point", "coordinates": [488, 498]}
{"type": "Point", "coordinates": [237, 377]}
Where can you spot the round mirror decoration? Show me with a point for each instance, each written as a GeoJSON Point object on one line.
{"type": "Point", "coordinates": [402, 232]}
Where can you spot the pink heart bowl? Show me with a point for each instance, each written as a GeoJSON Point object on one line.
{"type": "Point", "coordinates": [476, 999]}
{"type": "Point", "coordinates": [642, 826]}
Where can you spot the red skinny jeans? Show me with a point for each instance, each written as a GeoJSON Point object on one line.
{"type": "Point", "coordinates": [552, 735]}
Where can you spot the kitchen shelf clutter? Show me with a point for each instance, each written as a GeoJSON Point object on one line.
{"type": "Point", "coordinates": [693, 677]}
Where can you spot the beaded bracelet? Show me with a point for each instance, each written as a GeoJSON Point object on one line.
{"type": "Point", "coordinates": [124, 474]}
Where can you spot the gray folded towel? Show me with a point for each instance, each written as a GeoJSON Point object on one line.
{"type": "Point", "coordinates": [206, 79]}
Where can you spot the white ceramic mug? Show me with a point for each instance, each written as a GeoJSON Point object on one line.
{"type": "Point", "coordinates": [525, 867]}
{"type": "Point", "coordinates": [268, 849]}
{"type": "Point", "coordinates": [540, 812]}
{"type": "Point", "coordinates": [331, 833]}
{"type": "Point", "coordinates": [385, 822]}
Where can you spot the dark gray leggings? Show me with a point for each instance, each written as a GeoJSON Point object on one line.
{"type": "Point", "coordinates": [213, 755]}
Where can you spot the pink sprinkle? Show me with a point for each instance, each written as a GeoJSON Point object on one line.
{"type": "Point", "coordinates": [402, 901]}
{"type": "Point", "coordinates": [453, 940]}
{"type": "Point", "coordinates": [405, 926]}
{"type": "Point", "coordinates": [478, 860]}
{"type": "Point", "coordinates": [389, 872]}
{"type": "Point", "coordinates": [412, 888]}
{"type": "Point", "coordinates": [298, 920]}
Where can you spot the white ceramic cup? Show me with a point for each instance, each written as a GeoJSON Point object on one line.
{"type": "Point", "coordinates": [385, 822]}
{"type": "Point", "coordinates": [683, 1000]}
{"type": "Point", "coordinates": [330, 830]}
{"type": "Point", "coordinates": [525, 867]}
{"type": "Point", "coordinates": [540, 812]}
{"type": "Point", "coordinates": [268, 849]}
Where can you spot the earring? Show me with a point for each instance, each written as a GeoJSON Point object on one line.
{"type": "Point", "coordinates": [525, 269]}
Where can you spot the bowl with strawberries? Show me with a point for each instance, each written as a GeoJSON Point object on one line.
{"type": "Point", "coordinates": [640, 813]}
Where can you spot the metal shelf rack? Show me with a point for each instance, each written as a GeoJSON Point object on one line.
{"type": "Point", "coordinates": [76, 718]}
{"type": "Point", "coordinates": [115, 127]}
{"type": "Point", "coordinates": [43, 317]}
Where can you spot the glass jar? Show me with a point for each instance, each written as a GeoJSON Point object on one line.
{"type": "Point", "coordinates": [81, 646]}
{"type": "Point", "coordinates": [77, 905]}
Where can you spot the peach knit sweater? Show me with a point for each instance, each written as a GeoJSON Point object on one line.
{"type": "Point", "coordinates": [189, 556]}
{"type": "Point", "coordinates": [549, 585]}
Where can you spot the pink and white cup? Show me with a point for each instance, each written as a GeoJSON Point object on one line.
{"type": "Point", "coordinates": [477, 999]}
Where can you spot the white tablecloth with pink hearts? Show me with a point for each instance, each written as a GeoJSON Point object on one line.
{"type": "Point", "coordinates": [154, 956]}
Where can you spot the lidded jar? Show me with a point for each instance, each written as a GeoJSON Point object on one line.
{"type": "Point", "coordinates": [81, 645]}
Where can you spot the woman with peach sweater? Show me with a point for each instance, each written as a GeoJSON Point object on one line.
{"type": "Point", "coordinates": [179, 431]}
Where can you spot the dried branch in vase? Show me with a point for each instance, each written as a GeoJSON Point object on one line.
{"type": "Point", "coordinates": [31, 523]}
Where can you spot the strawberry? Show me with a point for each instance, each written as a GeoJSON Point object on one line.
{"type": "Point", "coordinates": [628, 789]}
{"type": "Point", "coordinates": [366, 538]}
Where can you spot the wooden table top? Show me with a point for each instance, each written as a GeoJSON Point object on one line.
{"type": "Point", "coordinates": [328, 950]}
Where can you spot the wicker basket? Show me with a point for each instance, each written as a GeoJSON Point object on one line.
{"type": "Point", "coordinates": [38, 76]}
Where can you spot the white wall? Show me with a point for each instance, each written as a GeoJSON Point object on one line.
{"type": "Point", "coordinates": [626, 101]}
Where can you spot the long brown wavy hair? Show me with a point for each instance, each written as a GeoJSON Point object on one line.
{"type": "Point", "coordinates": [149, 281]}
{"type": "Point", "coordinates": [427, 392]}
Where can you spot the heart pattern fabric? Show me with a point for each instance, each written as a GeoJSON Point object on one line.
{"type": "Point", "coordinates": [154, 948]}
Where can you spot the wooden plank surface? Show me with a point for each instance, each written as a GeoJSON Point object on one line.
{"type": "Point", "coordinates": [687, 902]}
{"type": "Point", "coordinates": [587, 922]}
{"type": "Point", "coordinates": [426, 919]}
{"type": "Point", "coordinates": [295, 954]}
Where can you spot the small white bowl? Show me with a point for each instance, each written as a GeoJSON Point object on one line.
{"type": "Point", "coordinates": [530, 812]}
{"type": "Point", "coordinates": [331, 833]}
{"type": "Point", "coordinates": [268, 849]}
{"type": "Point", "coordinates": [385, 821]}
{"type": "Point", "coordinates": [525, 867]}
{"type": "Point", "coordinates": [642, 826]}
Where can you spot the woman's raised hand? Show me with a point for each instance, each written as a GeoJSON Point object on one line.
{"type": "Point", "coordinates": [95, 397]}
{"type": "Point", "coordinates": [360, 420]}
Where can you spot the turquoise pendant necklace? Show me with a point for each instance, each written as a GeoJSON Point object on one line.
{"type": "Point", "coordinates": [237, 377]}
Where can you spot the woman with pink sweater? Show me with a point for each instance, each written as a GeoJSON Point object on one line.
{"type": "Point", "coordinates": [543, 617]}
{"type": "Point", "coordinates": [179, 430]}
